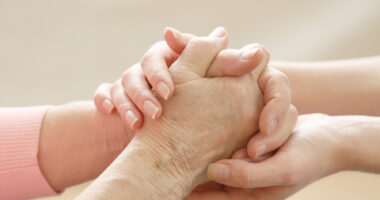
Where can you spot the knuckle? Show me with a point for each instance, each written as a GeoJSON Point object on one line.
{"type": "Point", "coordinates": [114, 89]}
{"type": "Point", "coordinates": [126, 74]}
{"type": "Point", "coordinates": [156, 74]}
{"type": "Point", "coordinates": [138, 96]}
{"type": "Point", "coordinates": [156, 47]}
{"type": "Point", "coordinates": [124, 106]}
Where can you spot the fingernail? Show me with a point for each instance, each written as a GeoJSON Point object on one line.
{"type": "Point", "coordinates": [218, 172]}
{"type": "Point", "coordinates": [163, 90]}
{"type": "Point", "coordinates": [272, 126]}
{"type": "Point", "coordinates": [218, 32]}
{"type": "Point", "coordinates": [107, 105]}
{"type": "Point", "coordinates": [131, 118]}
{"type": "Point", "coordinates": [150, 109]}
{"type": "Point", "coordinates": [249, 53]}
{"type": "Point", "coordinates": [260, 150]}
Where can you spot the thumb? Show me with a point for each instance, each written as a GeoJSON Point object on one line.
{"type": "Point", "coordinates": [176, 40]}
{"type": "Point", "coordinates": [199, 53]}
{"type": "Point", "coordinates": [243, 174]}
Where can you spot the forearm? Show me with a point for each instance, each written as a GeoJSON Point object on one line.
{"type": "Point", "coordinates": [360, 137]}
{"type": "Point", "coordinates": [335, 87]}
{"type": "Point", "coordinates": [139, 173]}
{"type": "Point", "coordinates": [77, 143]}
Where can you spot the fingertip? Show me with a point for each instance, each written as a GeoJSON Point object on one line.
{"type": "Point", "coordinates": [164, 90]}
{"type": "Point", "coordinates": [219, 32]}
{"type": "Point", "coordinates": [175, 39]}
{"type": "Point", "coordinates": [151, 109]}
{"type": "Point", "coordinates": [253, 55]}
{"type": "Point", "coordinates": [251, 148]}
{"type": "Point", "coordinates": [133, 120]}
{"type": "Point", "coordinates": [102, 98]}
{"type": "Point", "coordinates": [218, 172]}
{"type": "Point", "coordinates": [240, 154]}
{"type": "Point", "coordinates": [107, 106]}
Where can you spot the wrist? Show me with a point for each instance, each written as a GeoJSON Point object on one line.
{"type": "Point", "coordinates": [360, 140]}
{"type": "Point", "coordinates": [166, 172]}
{"type": "Point", "coordinates": [139, 173]}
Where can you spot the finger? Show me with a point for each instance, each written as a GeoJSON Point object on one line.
{"type": "Point", "coordinates": [256, 73]}
{"type": "Point", "coordinates": [275, 87]}
{"type": "Point", "coordinates": [261, 144]}
{"type": "Point", "coordinates": [262, 157]}
{"type": "Point", "coordinates": [155, 64]}
{"type": "Point", "coordinates": [243, 174]}
{"type": "Point", "coordinates": [138, 90]}
{"type": "Point", "coordinates": [240, 154]}
{"type": "Point", "coordinates": [127, 109]}
{"type": "Point", "coordinates": [201, 51]}
{"type": "Point", "coordinates": [176, 40]}
{"type": "Point", "coordinates": [102, 98]}
{"type": "Point", "coordinates": [231, 62]}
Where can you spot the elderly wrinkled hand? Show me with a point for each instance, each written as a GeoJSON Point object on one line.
{"type": "Point", "coordinates": [206, 119]}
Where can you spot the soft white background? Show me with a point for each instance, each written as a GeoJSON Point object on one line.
{"type": "Point", "coordinates": [53, 52]}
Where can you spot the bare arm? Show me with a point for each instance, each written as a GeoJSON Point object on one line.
{"type": "Point", "coordinates": [335, 87]}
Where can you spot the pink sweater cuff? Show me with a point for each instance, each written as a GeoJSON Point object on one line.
{"type": "Point", "coordinates": [20, 175]}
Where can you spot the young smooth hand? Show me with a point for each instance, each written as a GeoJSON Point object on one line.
{"type": "Point", "coordinates": [319, 146]}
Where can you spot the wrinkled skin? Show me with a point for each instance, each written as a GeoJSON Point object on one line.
{"type": "Point", "coordinates": [210, 127]}
{"type": "Point", "coordinates": [206, 118]}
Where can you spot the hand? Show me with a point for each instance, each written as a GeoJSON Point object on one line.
{"type": "Point", "coordinates": [295, 165]}
{"type": "Point", "coordinates": [130, 93]}
{"type": "Point", "coordinates": [205, 116]}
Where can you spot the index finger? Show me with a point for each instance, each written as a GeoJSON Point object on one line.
{"type": "Point", "coordinates": [155, 65]}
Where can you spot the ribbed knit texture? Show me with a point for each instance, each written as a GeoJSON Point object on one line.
{"type": "Point", "coordinates": [20, 175]}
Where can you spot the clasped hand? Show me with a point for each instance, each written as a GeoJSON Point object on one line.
{"type": "Point", "coordinates": [215, 109]}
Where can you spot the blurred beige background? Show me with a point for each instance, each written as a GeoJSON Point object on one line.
{"type": "Point", "coordinates": [53, 52]}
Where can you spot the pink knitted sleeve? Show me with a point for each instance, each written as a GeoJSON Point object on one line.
{"type": "Point", "coordinates": [20, 175]}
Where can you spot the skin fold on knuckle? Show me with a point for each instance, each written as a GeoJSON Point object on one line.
{"type": "Point", "coordinates": [156, 75]}
{"type": "Point", "coordinates": [139, 96]}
